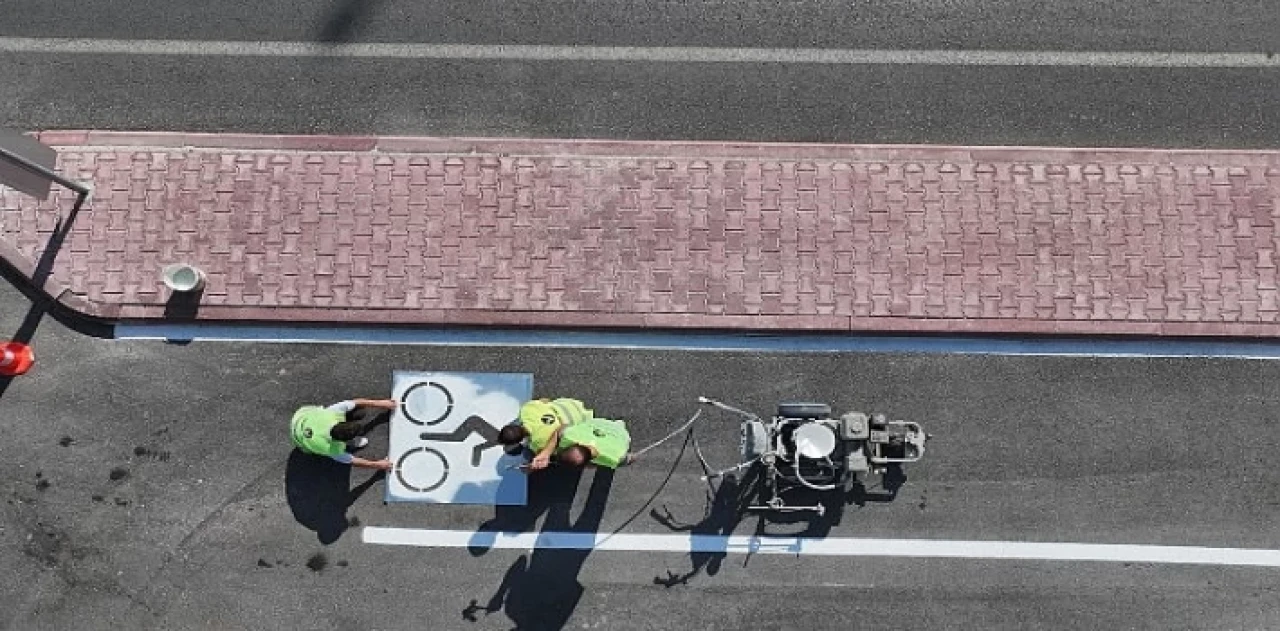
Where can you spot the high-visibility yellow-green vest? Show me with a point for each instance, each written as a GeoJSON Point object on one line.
{"type": "Point", "coordinates": [541, 418]}
{"type": "Point", "coordinates": [610, 438]}
{"type": "Point", "coordinates": [310, 430]}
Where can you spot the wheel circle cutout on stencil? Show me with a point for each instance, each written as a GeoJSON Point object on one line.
{"type": "Point", "coordinates": [428, 400]}
{"type": "Point", "coordinates": [434, 481]}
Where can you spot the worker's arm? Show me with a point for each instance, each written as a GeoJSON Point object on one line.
{"type": "Point", "coordinates": [386, 404]}
{"type": "Point", "coordinates": [543, 458]}
{"type": "Point", "coordinates": [380, 465]}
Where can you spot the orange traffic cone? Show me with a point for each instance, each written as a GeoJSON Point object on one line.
{"type": "Point", "coordinates": [16, 359]}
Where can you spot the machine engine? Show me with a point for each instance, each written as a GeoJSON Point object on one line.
{"type": "Point", "coordinates": [804, 446]}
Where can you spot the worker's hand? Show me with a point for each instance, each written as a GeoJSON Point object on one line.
{"type": "Point", "coordinates": [390, 404]}
{"type": "Point", "coordinates": [383, 465]}
{"type": "Point", "coordinates": [539, 462]}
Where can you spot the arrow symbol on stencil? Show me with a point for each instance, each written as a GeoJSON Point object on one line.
{"type": "Point", "coordinates": [473, 425]}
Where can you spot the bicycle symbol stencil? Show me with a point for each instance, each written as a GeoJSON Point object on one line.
{"type": "Point", "coordinates": [444, 437]}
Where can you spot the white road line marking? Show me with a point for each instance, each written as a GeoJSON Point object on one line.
{"type": "Point", "coordinates": [686, 341]}
{"type": "Point", "coordinates": [831, 546]}
{"type": "Point", "coordinates": [672, 54]}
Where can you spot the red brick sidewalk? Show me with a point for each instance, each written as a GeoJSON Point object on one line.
{"type": "Point", "coordinates": [412, 230]}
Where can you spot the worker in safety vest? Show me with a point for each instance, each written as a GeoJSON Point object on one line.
{"type": "Point", "coordinates": [325, 431]}
{"type": "Point", "coordinates": [542, 421]}
{"type": "Point", "coordinates": [598, 441]}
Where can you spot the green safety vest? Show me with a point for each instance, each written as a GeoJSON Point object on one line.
{"type": "Point", "coordinates": [542, 418]}
{"type": "Point", "coordinates": [610, 438]}
{"type": "Point", "coordinates": [310, 430]}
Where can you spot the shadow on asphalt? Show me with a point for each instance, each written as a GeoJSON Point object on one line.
{"type": "Point", "coordinates": [725, 509]}
{"type": "Point", "coordinates": [344, 19]}
{"type": "Point", "coordinates": [893, 479]}
{"type": "Point", "coordinates": [541, 590]}
{"type": "Point", "coordinates": [319, 493]}
{"type": "Point", "coordinates": [318, 488]}
{"type": "Point", "coordinates": [39, 301]}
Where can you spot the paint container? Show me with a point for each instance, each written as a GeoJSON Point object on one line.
{"type": "Point", "coordinates": [183, 278]}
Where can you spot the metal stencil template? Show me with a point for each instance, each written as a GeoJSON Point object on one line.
{"type": "Point", "coordinates": [444, 438]}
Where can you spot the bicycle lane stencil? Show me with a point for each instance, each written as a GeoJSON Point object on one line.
{"type": "Point", "coordinates": [444, 438]}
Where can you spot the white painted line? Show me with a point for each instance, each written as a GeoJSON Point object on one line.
{"type": "Point", "coordinates": [683, 341]}
{"type": "Point", "coordinates": [831, 546]}
{"type": "Point", "coordinates": [672, 54]}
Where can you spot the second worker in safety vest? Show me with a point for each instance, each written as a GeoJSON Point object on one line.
{"type": "Point", "coordinates": [325, 431]}
{"type": "Point", "coordinates": [568, 430]}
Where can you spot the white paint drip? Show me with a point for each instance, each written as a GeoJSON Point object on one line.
{"type": "Point", "coordinates": [831, 546]}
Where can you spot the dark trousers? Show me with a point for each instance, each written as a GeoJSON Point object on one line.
{"type": "Point", "coordinates": [368, 418]}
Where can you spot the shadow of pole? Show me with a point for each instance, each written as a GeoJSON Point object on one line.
{"type": "Point", "coordinates": [40, 300]}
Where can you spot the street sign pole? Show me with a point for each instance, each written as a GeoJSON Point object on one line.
{"type": "Point", "coordinates": [82, 191]}
{"type": "Point", "coordinates": [12, 155]}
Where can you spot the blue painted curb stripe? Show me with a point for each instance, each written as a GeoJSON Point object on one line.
{"type": "Point", "coordinates": [703, 341]}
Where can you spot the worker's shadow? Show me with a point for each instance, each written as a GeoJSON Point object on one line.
{"type": "Point", "coordinates": [886, 490]}
{"type": "Point", "coordinates": [319, 488]}
{"type": "Point", "coordinates": [725, 510]}
{"type": "Point", "coordinates": [542, 590]}
{"type": "Point", "coordinates": [319, 492]}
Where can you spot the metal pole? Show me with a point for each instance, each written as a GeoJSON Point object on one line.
{"type": "Point", "coordinates": [45, 173]}
{"type": "Point", "coordinates": [82, 193]}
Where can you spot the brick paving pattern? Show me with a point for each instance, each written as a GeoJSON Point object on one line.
{"type": "Point", "coordinates": [817, 237]}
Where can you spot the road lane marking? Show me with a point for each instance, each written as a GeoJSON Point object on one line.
{"type": "Point", "coordinates": [830, 546]}
{"type": "Point", "coordinates": [671, 54]}
{"type": "Point", "coordinates": [780, 341]}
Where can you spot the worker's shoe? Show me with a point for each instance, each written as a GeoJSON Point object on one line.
{"type": "Point", "coordinates": [359, 442]}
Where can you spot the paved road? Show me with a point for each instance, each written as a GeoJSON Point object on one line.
{"type": "Point", "coordinates": [1055, 105]}
{"type": "Point", "coordinates": [147, 485]}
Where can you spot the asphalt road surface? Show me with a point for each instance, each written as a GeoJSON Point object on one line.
{"type": "Point", "coordinates": [152, 486]}
{"type": "Point", "coordinates": [1094, 103]}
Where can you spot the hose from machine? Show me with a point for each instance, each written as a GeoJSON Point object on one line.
{"type": "Point", "coordinates": [664, 439]}
{"type": "Point", "coordinates": [816, 487]}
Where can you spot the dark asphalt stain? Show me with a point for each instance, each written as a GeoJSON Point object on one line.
{"type": "Point", "coordinates": [46, 544]}
{"type": "Point", "coordinates": [119, 473]}
{"type": "Point", "coordinates": [142, 451]}
{"type": "Point", "coordinates": [42, 484]}
{"type": "Point", "coordinates": [98, 498]}
{"type": "Point", "coordinates": [264, 563]}
{"type": "Point", "coordinates": [353, 521]}
{"type": "Point", "coordinates": [317, 562]}
{"type": "Point", "coordinates": [66, 441]}
{"type": "Point", "coordinates": [342, 563]}
{"type": "Point", "coordinates": [120, 501]}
